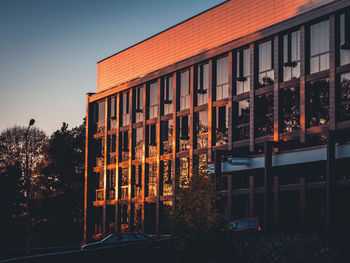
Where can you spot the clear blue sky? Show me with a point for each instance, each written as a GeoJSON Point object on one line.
{"type": "Point", "coordinates": [49, 50]}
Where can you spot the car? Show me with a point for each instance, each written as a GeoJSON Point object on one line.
{"type": "Point", "coordinates": [246, 224]}
{"type": "Point", "coordinates": [118, 239]}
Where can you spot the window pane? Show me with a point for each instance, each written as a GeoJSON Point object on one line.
{"type": "Point", "coordinates": [264, 115]}
{"type": "Point", "coordinates": [153, 100]}
{"type": "Point", "coordinates": [318, 102]}
{"type": "Point", "coordinates": [201, 125]}
{"type": "Point", "coordinates": [243, 78]}
{"type": "Point", "coordinates": [168, 95]}
{"type": "Point", "coordinates": [222, 78]}
{"type": "Point", "coordinates": [289, 108]}
{"type": "Point", "coordinates": [344, 53]}
{"type": "Point", "coordinates": [221, 125]}
{"type": "Point", "coordinates": [139, 104]}
{"type": "Point", "coordinates": [202, 84]}
{"type": "Point", "coordinates": [242, 120]}
{"type": "Point", "coordinates": [319, 47]}
{"type": "Point", "coordinates": [291, 56]}
{"type": "Point", "coordinates": [266, 73]}
{"type": "Point", "coordinates": [167, 177]}
{"type": "Point", "coordinates": [185, 90]}
{"type": "Point", "coordinates": [344, 100]}
{"type": "Point", "coordinates": [152, 180]}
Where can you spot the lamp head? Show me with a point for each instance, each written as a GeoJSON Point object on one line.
{"type": "Point", "coordinates": [31, 122]}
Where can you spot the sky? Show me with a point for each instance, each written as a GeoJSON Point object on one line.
{"type": "Point", "coordinates": [49, 50]}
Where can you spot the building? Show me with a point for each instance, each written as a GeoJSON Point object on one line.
{"type": "Point", "coordinates": [262, 83]}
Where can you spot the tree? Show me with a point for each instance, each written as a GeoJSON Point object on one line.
{"type": "Point", "coordinates": [195, 220]}
{"type": "Point", "coordinates": [12, 181]}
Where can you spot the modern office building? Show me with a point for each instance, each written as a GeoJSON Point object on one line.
{"type": "Point", "coordinates": [259, 89]}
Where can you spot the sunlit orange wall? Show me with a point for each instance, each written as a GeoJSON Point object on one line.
{"type": "Point", "coordinates": [217, 26]}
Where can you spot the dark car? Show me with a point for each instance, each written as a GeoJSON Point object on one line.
{"type": "Point", "coordinates": [246, 224]}
{"type": "Point", "coordinates": [117, 239]}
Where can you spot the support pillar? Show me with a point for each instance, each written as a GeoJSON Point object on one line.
{"type": "Point", "coordinates": [330, 181]}
{"type": "Point", "coordinates": [275, 201]}
{"type": "Point", "coordinates": [251, 195]}
{"type": "Point", "coordinates": [267, 185]}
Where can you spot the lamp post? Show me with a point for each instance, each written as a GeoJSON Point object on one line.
{"type": "Point", "coordinates": [27, 185]}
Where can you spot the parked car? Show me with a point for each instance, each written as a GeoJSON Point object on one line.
{"type": "Point", "coordinates": [246, 224]}
{"type": "Point", "coordinates": [117, 239]}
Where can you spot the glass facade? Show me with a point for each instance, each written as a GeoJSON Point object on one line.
{"type": "Point", "coordinates": [304, 107]}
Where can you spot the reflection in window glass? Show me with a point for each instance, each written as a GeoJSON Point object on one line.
{"type": "Point", "coordinates": [221, 125]}
{"type": "Point", "coordinates": [100, 124]}
{"type": "Point", "coordinates": [153, 100]}
{"type": "Point", "coordinates": [166, 132]}
{"type": "Point", "coordinates": [201, 164]}
{"type": "Point", "coordinates": [137, 214]}
{"type": "Point", "coordinates": [138, 140]}
{"type": "Point", "coordinates": [319, 47]}
{"type": "Point", "coordinates": [184, 172]}
{"type": "Point", "coordinates": [138, 104]}
{"type": "Point", "coordinates": [243, 71]}
{"type": "Point", "coordinates": [201, 126]}
{"type": "Point", "coordinates": [242, 120]}
{"type": "Point", "coordinates": [124, 145]}
{"type": "Point", "coordinates": [264, 115]}
{"type": "Point", "coordinates": [111, 184]}
{"type": "Point", "coordinates": [184, 136]}
{"type": "Point", "coordinates": [222, 78]}
{"type": "Point", "coordinates": [136, 181]}
{"type": "Point", "coordinates": [318, 107]}
{"type": "Point", "coordinates": [124, 109]}
{"type": "Point", "coordinates": [124, 183]}
{"type": "Point", "coordinates": [202, 84]}
{"type": "Point", "coordinates": [344, 100]}
{"type": "Point", "coordinates": [166, 178]}
{"type": "Point", "coordinates": [113, 112]}
{"type": "Point", "coordinates": [266, 72]}
{"type": "Point", "coordinates": [291, 55]}
{"type": "Point", "coordinates": [184, 90]}
{"type": "Point", "coordinates": [344, 40]}
{"type": "Point", "coordinates": [100, 151]}
{"type": "Point", "coordinates": [151, 180]}
{"type": "Point", "coordinates": [289, 108]}
{"type": "Point", "coordinates": [112, 149]}
{"type": "Point", "coordinates": [124, 218]}
{"type": "Point", "coordinates": [152, 140]}
{"type": "Point", "coordinates": [168, 95]}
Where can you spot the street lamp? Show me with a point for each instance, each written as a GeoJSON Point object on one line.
{"type": "Point", "coordinates": [27, 184]}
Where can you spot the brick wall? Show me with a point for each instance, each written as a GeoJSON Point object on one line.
{"type": "Point", "coordinates": [215, 27]}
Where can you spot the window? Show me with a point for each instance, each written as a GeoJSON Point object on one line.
{"type": "Point", "coordinates": [201, 164]}
{"type": "Point", "coordinates": [151, 180]}
{"type": "Point", "coordinates": [152, 140]}
{"type": "Point", "coordinates": [137, 215]}
{"type": "Point", "coordinates": [345, 38]}
{"type": "Point", "coordinates": [318, 107]}
{"type": "Point", "coordinates": [168, 95]}
{"type": "Point", "coordinates": [112, 149]}
{"type": "Point", "coordinates": [124, 183]}
{"type": "Point", "coordinates": [183, 139]}
{"type": "Point", "coordinates": [243, 71]}
{"type": "Point", "coordinates": [184, 90]}
{"type": "Point", "coordinates": [289, 109]}
{"type": "Point", "coordinates": [99, 186]}
{"type": "Point", "coordinates": [222, 78]}
{"type": "Point", "coordinates": [202, 84]}
{"type": "Point", "coordinates": [242, 111]}
{"type": "Point", "coordinates": [100, 151]}
{"type": "Point", "coordinates": [291, 55]}
{"type": "Point", "coordinates": [153, 100]}
{"type": "Point", "coordinates": [100, 114]}
{"type": "Point", "coordinates": [136, 181]}
{"type": "Point", "coordinates": [319, 47]}
{"type": "Point", "coordinates": [166, 132]}
{"type": "Point", "coordinates": [221, 124]}
{"type": "Point", "coordinates": [184, 172]}
{"type": "Point", "coordinates": [166, 178]}
{"type": "Point", "coordinates": [124, 109]}
{"type": "Point", "coordinates": [266, 72]}
{"type": "Point", "coordinates": [344, 100]}
{"type": "Point", "coordinates": [113, 113]}
{"type": "Point", "coordinates": [138, 140]}
{"type": "Point", "coordinates": [138, 104]}
{"type": "Point", "coordinates": [124, 145]}
{"type": "Point", "coordinates": [264, 115]}
{"type": "Point", "coordinates": [201, 126]}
